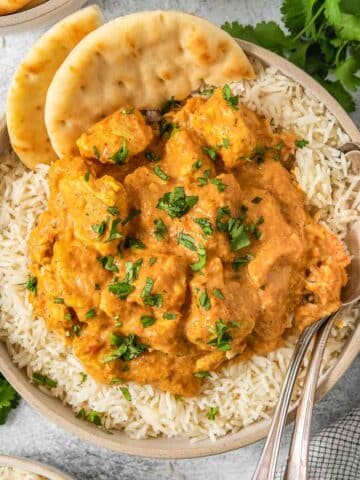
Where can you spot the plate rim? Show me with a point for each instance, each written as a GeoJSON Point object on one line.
{"type": "Point", "coordinates": [175, 448]}
{"type": "Point", "coordinates": [32, 466]}
{"type": "Point", "coordinates": [40, 15]}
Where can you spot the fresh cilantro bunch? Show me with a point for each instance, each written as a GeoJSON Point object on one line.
{"type": "Point", "coordinates": [323, 40]}
{"type": "Point", "coordinates": [9, 399]}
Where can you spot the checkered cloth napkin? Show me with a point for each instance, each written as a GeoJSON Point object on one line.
{"type": "Point", "coordinates": [335, 452]}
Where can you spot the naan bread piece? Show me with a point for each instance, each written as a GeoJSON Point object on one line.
{"type": "Point", "coordinates": [33, 3]}
{"type": "Point", "coordinates": [11, 6]}
{"type": "Point", "coordinates": [141, 60]}
{"type": "Point", "coordinates": [27, 92]}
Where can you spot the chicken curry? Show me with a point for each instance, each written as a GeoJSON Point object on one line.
{"type": "Point", "coordinates": [178, 241]}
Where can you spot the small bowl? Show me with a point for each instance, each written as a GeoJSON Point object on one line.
{"type": "Point", "coordinates": [29, 466]}
{"type": "Point", "coordinates": [38, 16]}
{"type": "Point", "coordinates": [64, 417]}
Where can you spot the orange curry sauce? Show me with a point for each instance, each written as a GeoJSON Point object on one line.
{"type": "Point", "coordinates": [169, 249]}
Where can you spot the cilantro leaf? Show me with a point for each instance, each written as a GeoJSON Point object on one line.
{"type": "Point", "coordinates": [339, 93]}
{"type": "Point", "coordinates": [9, 399]}
{"type": "Point", "coordinates": [127, 349]}
{"type": "Point", "coordinates": [176, 203]}
{"type": "Point", "coordinates": [345, 73]}
{"type": "Point", "coordinates": [295, 14]}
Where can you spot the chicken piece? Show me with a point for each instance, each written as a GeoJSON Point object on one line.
{"type": "Point", "coordinates": [161, 286]}
{"type": "Point", "coordinates": [42, 238]}
{"type": "Point", "coordinates": [182, 117]}
{"type": "Point", "coordinates": [325, 276]}
{"type": "Point", "coordinates": [184, 157]}
{"type": "Point", "coordinates": [169, 373]}
{"type": "Point", "coordinates": [97, 208]}
{"type": "Point", "coordinates": [222, 311]}
{"type": "Point", "coordinates": [234, 131]}
{"type": "Point", "coordinates": [117, 137]}
{"type": "Point", "coordinates": [79, 275]}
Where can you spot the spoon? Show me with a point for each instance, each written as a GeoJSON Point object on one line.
{"type": "Point", "coordinates": [296, 469]}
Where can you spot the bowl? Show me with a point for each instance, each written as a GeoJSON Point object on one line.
{"type": "Point", "coordinates": [39, 15]}
{"type": "Point", "coordinates": [29, 466]}
{"type": "Point", "coordinates": [63, 416]}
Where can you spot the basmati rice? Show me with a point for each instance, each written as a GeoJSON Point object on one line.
{"type": "Point", "coordinates": [244, 393]}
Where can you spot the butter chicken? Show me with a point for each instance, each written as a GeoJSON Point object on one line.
{"type": "Point", "coordinates": [178, 241]}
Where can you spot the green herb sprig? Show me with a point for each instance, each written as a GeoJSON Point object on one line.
{"type": "Point", "coordinates": [323, 39]}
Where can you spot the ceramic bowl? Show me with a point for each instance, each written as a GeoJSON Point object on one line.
{"type": "Point", "coordinates": [64, 417]}
{"type": "Point", "coordinates": [29, 466]}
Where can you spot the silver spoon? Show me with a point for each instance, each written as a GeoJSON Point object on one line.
{"type": "Point", "coordinates": [297, 465]}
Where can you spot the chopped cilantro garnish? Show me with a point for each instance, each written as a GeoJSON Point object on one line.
{"type": "Point", "coordinates": [126, 393]}
{"type": "Point", "coordinates": [160, 229]}
{"type": "Point", "coordinates": [211, 152]}
{"type": "Point", "coordinates": [223, 212]}
{"type": "Point", "coordinates": [44, 380]}
{"type": "Point", "coordinates": [176, 203]}
{"type": "Point", "coordinates": [187, 241]}
{"type": "Point", "coordinates": [256, 200]}
{"type": "Point", "coordinates": [201, 259]}
{"type": "Point", "coordinates": [121, 155]}
{"type": "Point", "coordinates": [113, 210]}
{"type": "Point", "coordinates": [114, 234]}
{"type": "Point", "coordinates": [132, 270]}
{"type": "Point", "coordinates": [152, 156]}
{"type": "Point", "coordinates": [121, 289]}
{"type": "Point", "coordinates": [231, 100]}
{"type": "Point", "coordinates": [147, 320]}
{"type": "Point", "coordinates": [31, 284]}
{"type": "Point", "coordinates": [169, 105]}
{"type": "Point", "coordinates": [96, 152]}
{"type": "Point", "coordinates": [167, 128]}
{"type": "Point", "coordinates": [99, 228]}
{"type": "Point", "coordinates": [222, 339]}
{"type": "Point", "coordinates": [218, 182]}
{"type": "Point", "coordinates": [202, 181]}
{"type": "Point", "coordinates": [108, 263]}
{"type": "Point", "coordinates": [97, 286]}
{"type": "Point", "coordinates": [212, 413]}
{"type": "Point", "coordinates": [196, 165]}
{"type": "Point", "coordinates": [151, 299]}
{"type": "Point", "coordinates": [58, 300]}
{"type": "Point", "coordinates": [160, 173]}
{"type": "Point", "coordinates": [205, 225]}
{"type": "Point", "coordinates": [132, 214]}
{"type": "Point", "coordinates": [134, 243]}
{"type": "Point", "coordinates": [90, 313]}
{"type": "Point", "coordinates": [94, 417]}
{"type": "Point", "coordinates": [87, 176]}
{"type": "Point", "coordinates": [204, 300]}
{"type": "Point", "coordinates": [239, 237]}
{"type": "Point", "coordinates": [202, 374]}
{"type": "Point", "coordinates": [169, 316]}
{"type": "Point", "coordinates": [225, 143]}
{"type": "Point", "coordinates": [301, 143]}
{"type": "Point", "coordinates": [207, 91]}
{"type": "Point", "coordinates": [218, 294]}
{"type": "Point", "coordinates": [127, 349]}
{"type": "Point", "coordinates": [68, 316]}
{"type": "Point", "coordinates": [239, 262]}
{"type": "Point", "coordinates": [152, 261]}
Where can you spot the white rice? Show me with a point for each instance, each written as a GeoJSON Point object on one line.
{"type": "Point", "coordinates": [8, 473]}
{"type": "Point", "coordinates": [244, 392]}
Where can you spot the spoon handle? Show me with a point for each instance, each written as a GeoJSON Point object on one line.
{"type": "Point", "coordinates": [298, 457]}
{"type": "Point", "coordinates": [267, 464]}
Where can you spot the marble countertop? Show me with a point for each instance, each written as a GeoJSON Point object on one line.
{"type": "Point", "coordinates": [29, 435]}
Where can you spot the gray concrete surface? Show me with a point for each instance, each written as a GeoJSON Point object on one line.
{"type": "Point", "coordinates": [27, 434]}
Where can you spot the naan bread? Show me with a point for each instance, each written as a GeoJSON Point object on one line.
{"type": "Point", "coordinates": [27, 92]}
{"type": "Point", "coordinates": [10, 6]}
{"type": "Point", "coordinates": [142, 60]}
